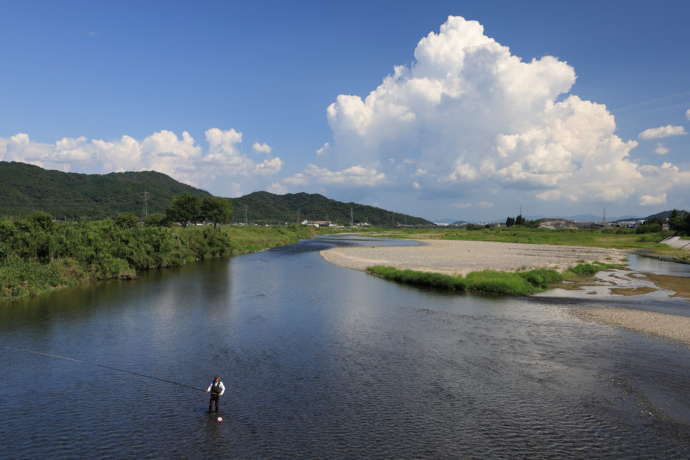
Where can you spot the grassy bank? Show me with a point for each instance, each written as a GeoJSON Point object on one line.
{"type": "Point", "coordinates": [244, 240]}
{"type": "Point", "coordinates": [604, 238]}
{"type": "Point", "coordinates": [681, 256]}
{"type": "Point", "coordinates": [489, 282]}
{"type": "Point", "coordinates": [38, 255]}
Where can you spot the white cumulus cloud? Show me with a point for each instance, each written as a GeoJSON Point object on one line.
{"type": "Point", "coordinates": [261, 147]}
{"type": "Point", "coordinates": [470, 117]}
{"type": "Point", "coordinates": [661, 149]}
{"type": "Point", "coordinates": [355, 176]}
{"type": "Point", "coordinates": [663, 131]}
{"type": "Point", "coordinates": [687, 114]}
{"type": "Point", "coordinates": [221, 168]}
{"type": "Point", "coordinates": [653, 200]}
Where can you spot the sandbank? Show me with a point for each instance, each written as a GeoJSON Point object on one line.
{"type": "Point", "coordinates": [459, 257]}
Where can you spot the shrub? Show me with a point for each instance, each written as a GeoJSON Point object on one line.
{"type": "Point", "coordinates": [499, 283]}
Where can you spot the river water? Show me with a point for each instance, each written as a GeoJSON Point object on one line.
{"type": "Point", "coordinates": [325, 362]}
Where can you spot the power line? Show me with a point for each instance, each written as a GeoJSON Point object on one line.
{"type": "Point", "coordinates": [104, 366]}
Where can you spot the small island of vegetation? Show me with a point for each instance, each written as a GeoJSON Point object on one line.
{"type": "Point", "coordinates": [490, 282]}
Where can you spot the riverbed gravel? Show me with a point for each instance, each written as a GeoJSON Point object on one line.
{"type": "Point", "coordinates": [462, 257]}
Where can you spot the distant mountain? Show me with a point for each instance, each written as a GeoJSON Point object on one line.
{"type": "Point", "coordinates": [25, 188]}
{"type": "Point", "coordinates": [265, 207]}
{"type": "Point", "coordinates": [664, 214]}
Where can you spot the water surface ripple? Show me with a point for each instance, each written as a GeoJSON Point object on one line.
{"type": "Point", "coordinates": [324, 362]}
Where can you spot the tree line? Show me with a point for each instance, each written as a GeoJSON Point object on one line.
{"type": "Point", "coordinates": [39, 254]}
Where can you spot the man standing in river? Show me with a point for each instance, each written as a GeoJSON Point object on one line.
{"type": "Point", "coordinates": [216, 388]}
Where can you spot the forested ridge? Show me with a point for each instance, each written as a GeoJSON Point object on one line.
{"type": "Point", "coordinates": [266, 207]}
{"type": "Point", "coordinates": [27, 188]}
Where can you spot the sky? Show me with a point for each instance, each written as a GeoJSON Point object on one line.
{"type": "Point", "coordinates": [448, 110]}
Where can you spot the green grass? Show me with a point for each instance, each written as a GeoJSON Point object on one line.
{"type": "Point", "coordinates": [681, 256]}
{"type": "Point", "coordinates": [608, 238]}
{"type": "Point", "coordinates": [489, 282]}
{"type": "Point", "coordinates": [249, 239]}
{"type": "Point", "coordinates": [586, 270]}
{"type": "Point", "coordinates": [423, 279]}
{"type": "Point", "coordinates": [20, 278]}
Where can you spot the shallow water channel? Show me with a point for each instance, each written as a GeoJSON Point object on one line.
{"type": "Point", "coordinates": [325, 362]}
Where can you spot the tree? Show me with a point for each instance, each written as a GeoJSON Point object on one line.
{"type": "Point", "coordinates": [510, 222]}
{"type": "Point", "coordinates": [42, 220]}
{"type": "Point", "coordinates": [680, 222]}
{"type": "Point", "coordinates": [126, 220]}
{"type": "Point", "coordinates": [184, 209]}
{"type": "Point", "coordinates": [157, 219]}
{"type": "Point", "coordinates": [217, 210]}
{"type": "Point", "coordinates": [519, 220]}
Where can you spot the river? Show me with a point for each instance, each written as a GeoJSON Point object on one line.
{"type": "Point", "coordinates": [325, 362]}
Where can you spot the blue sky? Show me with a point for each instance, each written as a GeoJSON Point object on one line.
{"type": "Point", "coordinates": [99, 87]}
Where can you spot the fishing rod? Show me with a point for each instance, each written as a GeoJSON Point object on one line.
{"type": "Point", "coordinates": [105, 366]}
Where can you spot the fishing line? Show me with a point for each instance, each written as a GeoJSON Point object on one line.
{"type": "Point", "coordinates": [105, 366]}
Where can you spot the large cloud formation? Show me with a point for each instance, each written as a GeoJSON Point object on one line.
{"type": "Point", "coordinates": [222, 167]}
{"type": "Point", "coordinates": [467, 117]}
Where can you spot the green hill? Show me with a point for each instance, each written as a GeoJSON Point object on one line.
{"type": "Point", "coordinates": [26, 188]}
{"type": "Point", "coordinates": [665, 214]}
{"type": "Point", "coordinates": [265, 207]}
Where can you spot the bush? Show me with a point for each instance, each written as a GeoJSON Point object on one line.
{"type": "Point", "coordinates": [487, 281]}
{"type": "Point", "coordinates": [542, 278]}
{"type": "Point", "coordinates": [499, 283]}
{"type": "Point", "coordinates": [653, 227]}
{"type": "Point", "coordinates": [415, 278]}
{"type": "Point", "coordinates": [37, 254]}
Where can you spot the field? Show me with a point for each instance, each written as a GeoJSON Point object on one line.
{"type": "Point", "coordinates": [593, 238]}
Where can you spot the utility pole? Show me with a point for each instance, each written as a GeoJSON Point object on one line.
{"type": "Point", "coordinates": [603, 220]}
{"type": "Point", "coordinates": [246, 222]}
{"type": "Point", "coordinates": [145, 208]}
{"type": "Point", "coordinates": [352, 217]}
{"type": "Point", "coordinates": [298, 210]}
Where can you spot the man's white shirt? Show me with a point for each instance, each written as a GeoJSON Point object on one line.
{"type": "Point", "coordinates": [220, 384]}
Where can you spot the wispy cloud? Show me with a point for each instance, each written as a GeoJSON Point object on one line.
{"type": "Point", "coordinates": [662, 131]}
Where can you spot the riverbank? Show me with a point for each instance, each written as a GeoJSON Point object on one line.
{"type": "Point", "coordinates": [245, 240]}
{"type": "Point", "coordinates": [677, 255]}
{"type": "Point", "coordinates": [38, 255]}
{"type": "Point", "coordinates": [618, 238]}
